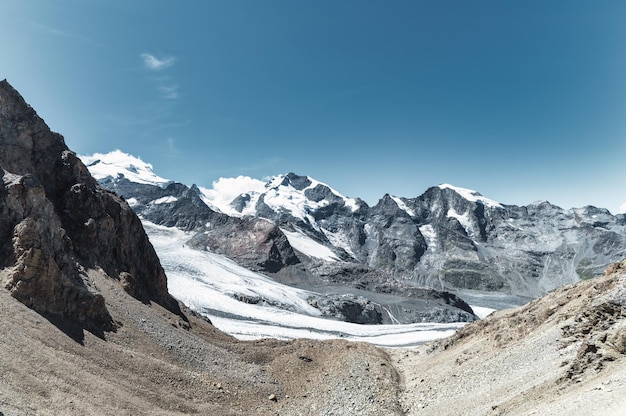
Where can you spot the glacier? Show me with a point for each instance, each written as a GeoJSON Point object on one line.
{"type": "Point", "coordinates": [249, 305]}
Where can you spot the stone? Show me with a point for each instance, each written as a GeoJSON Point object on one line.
{"type": "Point", "coordinates": [56, 222]}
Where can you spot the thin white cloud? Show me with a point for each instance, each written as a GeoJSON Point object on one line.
{"type": "Point", "coordinates": [50, 30]}
{"type": "Point", "coordinates": [171, 147]}
{"type": "Point", "coordinates": [227, 189]}
{"type": "Point", "coordinates": [169, 91]}
{"type": "Point", "coordinates": [153, 63]}
{"type": "Point", "coordinates": [622, 208]}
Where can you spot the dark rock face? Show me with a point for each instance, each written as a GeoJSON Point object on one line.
{"type": "Point", "coordinates": [255, 243]}
{"type": "Point", "coordinates": [350, 308]}
{"type": "Point", "coordinates": [56, 221]}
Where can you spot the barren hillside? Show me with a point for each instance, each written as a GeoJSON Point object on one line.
{"type": "Point", "coordinates": [563, 354]}
{"type": "Point", "coordinates": [157, 364]}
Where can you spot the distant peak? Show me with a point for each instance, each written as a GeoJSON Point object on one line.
{"type": "Point", "coordinates": [118, 164]}
{"type": "Point", "coordinates": [471, 195]}
{"type": "Point", "coordinates": [291, 179]}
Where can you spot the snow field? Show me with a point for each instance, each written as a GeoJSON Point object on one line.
{"type": "Point", "coordinates": [209, 284]}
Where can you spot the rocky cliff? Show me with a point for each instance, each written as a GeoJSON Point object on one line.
{"type": "Point", "coordinates": [56, 222]}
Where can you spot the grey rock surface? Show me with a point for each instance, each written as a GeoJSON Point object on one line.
{"type": "Point", "coordinates": [455, 239]}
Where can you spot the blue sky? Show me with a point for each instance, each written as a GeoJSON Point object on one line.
{"type": "Point", "coordinates": [521, 101]}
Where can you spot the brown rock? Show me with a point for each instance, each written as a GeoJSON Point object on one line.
{"type": "Point", "coordinates": [55, 222]}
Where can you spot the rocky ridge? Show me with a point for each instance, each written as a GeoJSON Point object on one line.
{"type": "Point", "coordinates": [57, 221]}
{"type": "Point", "coordinates": [448, 238]}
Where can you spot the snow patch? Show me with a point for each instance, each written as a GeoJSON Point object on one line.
{"type": "Point", "coordinates": [403, 206]}
{"type": "Point", "coordinates": [276, 195]}
{"type": "Point", "coordinates": [472, 196]}
{"type": "Point", "coordinates": [429, 235]}
{"type": "Point", "coordinates": [225, 190]}
{"type": "Point", "coordinates": [464, 219]}
{"type": "Point", "coordinates": [482, 311]}
{"type": "Point", "coordinates": [339, 240]}
{"type": "Point", "coordinates": [164, 200]}
{"type": "Point", "coordinates": [308, 246]}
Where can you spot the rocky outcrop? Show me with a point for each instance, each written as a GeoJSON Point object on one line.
{"type": "Point", "coordinates": [56, 221]}
{"type": "Point", "coordinates": [563, 353]}
{"type": "Point", "coordinates": [255, 243]}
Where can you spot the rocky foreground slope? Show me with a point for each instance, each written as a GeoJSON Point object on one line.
{"type": "Point", "coordinates": [563, 354]}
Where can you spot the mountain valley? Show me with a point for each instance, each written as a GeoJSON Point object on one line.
{"type": "Point", "coordinates": [95, 266]}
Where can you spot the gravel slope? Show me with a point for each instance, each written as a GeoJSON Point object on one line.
{"type": "Point", "coordinates": [563, 354]}
{"type": "Point", "coordinates": [156, 365]}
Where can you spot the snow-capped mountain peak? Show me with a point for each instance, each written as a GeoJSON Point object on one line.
{"type": "Point", "coordinates": [117, 164]}
{"type": "Point", "coordinates": [472, 196]}
{"type": "Point", "coordinates": [290, 193]}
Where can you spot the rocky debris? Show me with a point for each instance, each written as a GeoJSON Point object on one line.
{"type": "Point", "coordinates": [56, 221]}
{"type": "Point", "coordinates": [149, 366]}
{"type": "Point", "coordinates": [555, 355]}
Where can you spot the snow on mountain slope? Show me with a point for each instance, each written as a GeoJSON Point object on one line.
{"type": "Point", "coordinates": [471, 195]}
{"type": "Point", "coordinates": [117, 164]}
{"type": "Point", "coordinates": [448, 238]}
{"type": "Point", "coordinates": [249, 305]}
{"type": "Point", "coordinates": [403, 206]}
{"type": "Point", "coordinates": [308, 246]}
{"type": "Point", "coordinates": [289, 193]}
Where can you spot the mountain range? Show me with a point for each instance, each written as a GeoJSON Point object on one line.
{"type": "Point", "coordinates": [89, 325]}
{"type": "Point", "coordinates": [450, 240]}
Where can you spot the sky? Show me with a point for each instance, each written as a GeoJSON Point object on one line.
{"type": "Point", "coordinates": [521, 101]}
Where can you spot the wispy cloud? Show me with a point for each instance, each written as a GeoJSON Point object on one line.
{"type": "Point", "coordinates": [172, 150]}
{"type": "Point", "coordinates": [169, 91]}
{"type": "Point", "coordinates": [50, 30]}
{"type": "Point", "coordinates": [262, 165]}
{"type": "Point", "coordinates": [153, 63]}
{"type": "Point", "coordinates": [622, 208]}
